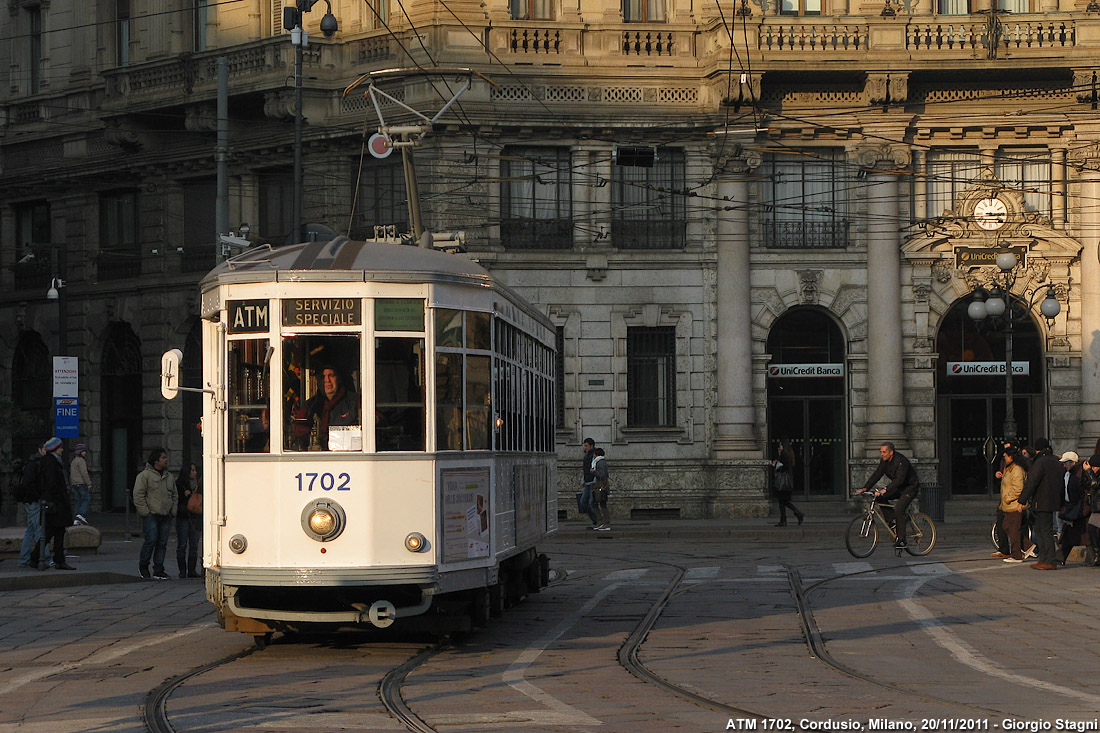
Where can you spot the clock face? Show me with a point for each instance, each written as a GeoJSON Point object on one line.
{"type": "Point", "coordinates": [990, 214]}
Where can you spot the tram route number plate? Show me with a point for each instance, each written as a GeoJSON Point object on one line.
{"type": "Point", "coordinates": [323, 481]}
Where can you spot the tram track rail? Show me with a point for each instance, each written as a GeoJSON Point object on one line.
{"type": "Point", "coordinates": [154, 709]}
{"type": "Point", "coordinates": [628, 653]}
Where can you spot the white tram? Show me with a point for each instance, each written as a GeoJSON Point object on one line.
{"type": "Point", "coordinates": [378, 438]}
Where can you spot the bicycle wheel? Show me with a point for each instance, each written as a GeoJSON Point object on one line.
{"type": "Point", "coordinates": [993, 536]}
{"type": "Point", "coordinates": [922, 534]}
{"type": "Point", "coordinates": [861, 537]}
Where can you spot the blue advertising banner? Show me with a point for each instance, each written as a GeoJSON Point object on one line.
{"type": "Point", "coordinates": [66, 417]}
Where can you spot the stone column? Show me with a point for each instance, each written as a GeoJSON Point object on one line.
{"type": "Point", "coordinates": [736, 414]}
{"type": "Point", "coordinates": [885, 394]}
{"type": "Point", "coordinates": [1087, 162]}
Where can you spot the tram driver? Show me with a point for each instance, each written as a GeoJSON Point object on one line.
{"type": "Point", "coordinates": [336, 405]}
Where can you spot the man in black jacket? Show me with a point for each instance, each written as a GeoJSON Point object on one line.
{"type": "Point", "coordinates": [1043, 491]}
{"type": "Point", "coordinates": [903, 486]}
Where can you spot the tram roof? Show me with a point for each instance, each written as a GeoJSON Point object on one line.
{"type": "Point", "coordinates": [377, 260]}
{"type": "Point", "coordinates": [338, 258]}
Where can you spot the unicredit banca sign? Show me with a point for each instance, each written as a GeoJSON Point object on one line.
{"type": "Point", "coordinates": [986, 368]}
{"type": "Point", "coordinates": [805, 370]}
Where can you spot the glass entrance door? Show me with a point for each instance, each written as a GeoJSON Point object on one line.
{"type": "Point", "coordinates": [975, 434]}
{"type": "Point", "coordinates": [815, 427]}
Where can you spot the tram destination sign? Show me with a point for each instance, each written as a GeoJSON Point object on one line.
{"type": "Point", "coordinates": [249, 316]}
{"type": "Point", "coordinates": [805, 371]}
{"type": "Point", "coordinates": [966, 257]}
{"type": "Point", "coordinates": [986, 368]}
{"type": "Point", "coordinates": [322, 312]}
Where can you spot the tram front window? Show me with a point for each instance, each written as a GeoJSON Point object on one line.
{"type": "Point", "coordinates": [399, 391]}
{"type": "Point", "coordinates": [322, 406]}
{"type": "Point", "coordinates": [249, 384]}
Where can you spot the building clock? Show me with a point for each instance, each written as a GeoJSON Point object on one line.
{"type": "Point", "coordinates": [990, 214]}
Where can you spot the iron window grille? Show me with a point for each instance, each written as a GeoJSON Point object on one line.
{"type": "Point", "coordinates": [381, 198]}
{"type": "Point", "coordinates": [805, 200]}
{"type": "Point", "coordinates": [649, 208]}
{"type": "Point", "coordinates": [119, 248]}
{"type": "Point", "coordinates": [651, 376]}
{"type": "Point", "coordinates": [536, 198]}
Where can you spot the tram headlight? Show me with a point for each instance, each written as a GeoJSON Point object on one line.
{"type": "Point", "coordinates": [416, 542]}
{"type": "Point", "coordinates": [323, 520]}
{"type": "Point", "coordinates": [238, 544]}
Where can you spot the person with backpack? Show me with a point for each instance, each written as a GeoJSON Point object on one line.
{"type": "Point", "coordinates": [29, 492]}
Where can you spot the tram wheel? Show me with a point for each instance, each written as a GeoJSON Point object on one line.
{"type": "Point", "coordinates": [261, 640]}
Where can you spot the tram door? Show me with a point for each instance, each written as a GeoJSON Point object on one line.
{"type": "Point", "coordinates": [806, 388]}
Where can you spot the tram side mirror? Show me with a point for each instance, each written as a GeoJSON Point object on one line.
{"type": "Point", "coordinates": [170, 373]}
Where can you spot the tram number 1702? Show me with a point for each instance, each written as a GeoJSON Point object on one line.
{"type": "Point", "coordinates": [323, 481]}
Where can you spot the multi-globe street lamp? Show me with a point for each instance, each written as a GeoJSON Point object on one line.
{"type": "Point", "coordinates": [999, 309]}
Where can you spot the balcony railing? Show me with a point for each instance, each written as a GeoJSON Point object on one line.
{"type": "Point", "coordinates": [831, 234]}
{"type": "Point", "coordinates": [34, 267]}
{"type": "Point", "coordinates": [1006, 33]}
{"type": "Point", "coordinates": [537, 233]}
{"type": "Point", "coordinates": [649, 234]}
{"type": "Point", "coordinates": [813, 37]}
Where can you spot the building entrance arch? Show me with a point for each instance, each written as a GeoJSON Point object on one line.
{"type": "Point", "coordinates": [120, 388]}
{"type": "Point", "coordinates": [970, 392]}
{"type": "Point", "coordinates": [807, 384]}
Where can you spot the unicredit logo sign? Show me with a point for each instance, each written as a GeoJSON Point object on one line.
{"type": "Point", "coordinates": [805, 370]}
{"type": "Point", "coordinates": [987, 368]}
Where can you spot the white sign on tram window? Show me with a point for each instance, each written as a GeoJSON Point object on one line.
{"type": "Point", "coordinates": [805, 371]}
{"type": "Point", "coordinates": [986, 368]}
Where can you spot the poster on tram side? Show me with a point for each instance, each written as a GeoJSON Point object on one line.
{"type": "Point", "coordinates": [465, 514]}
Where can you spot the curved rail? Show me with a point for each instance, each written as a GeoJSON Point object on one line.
{"type": "Point", "coordinates": [389, 690]}
{"type": "Point", "coordinates": [154, 711]}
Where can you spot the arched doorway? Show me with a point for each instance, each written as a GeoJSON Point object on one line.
{"type": "Point", "coordinates": [32, 393]}
{"type": "Point", "coordinates": [806, 389]}
{"type": "Point", "coordinates": [970, 390]}
{"type": "Point", "coordinates": [121, 395]}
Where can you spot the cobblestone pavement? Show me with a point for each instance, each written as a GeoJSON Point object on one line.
{"type": "Point", "coordinates": [956, 636]}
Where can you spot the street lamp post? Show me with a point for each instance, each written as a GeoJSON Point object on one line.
{"type": "Point", "coordinates": [998, 308]}
{"type": "Point", "coordinates": [292, 21]}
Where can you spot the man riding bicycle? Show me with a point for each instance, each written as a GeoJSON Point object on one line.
{"type": "Point", "coordinates": [903, 486]}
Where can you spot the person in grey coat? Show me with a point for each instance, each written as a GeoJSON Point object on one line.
{"type": "Point", "coordinates": [155, 499]}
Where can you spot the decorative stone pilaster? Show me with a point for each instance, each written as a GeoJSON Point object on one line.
{"type": "Point", "coordinates": [1087, 162]}
{"type": "Point", "coordinates": [885, 395]}
{"type": "Point", "coordinates": [735, 434]}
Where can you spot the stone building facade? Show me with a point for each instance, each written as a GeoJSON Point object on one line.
{"type": "Point", "coordinates": [829, 181]}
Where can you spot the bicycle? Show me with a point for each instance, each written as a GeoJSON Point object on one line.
{"type": "Point", "coordinates": [862, 535]}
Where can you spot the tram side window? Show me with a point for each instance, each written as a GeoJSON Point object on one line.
{"type": "Point", "coordinates": [322, 403]}
{"type": "Point", "coordinates": [249, 382]}
{"type": "Point", "coordinates": [399, 393]}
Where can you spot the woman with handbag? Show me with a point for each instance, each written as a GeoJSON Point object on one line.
{"type": "Point", "coordinates": [783, 482]}
{"type": "Point", "coordinates": [188, 522]}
